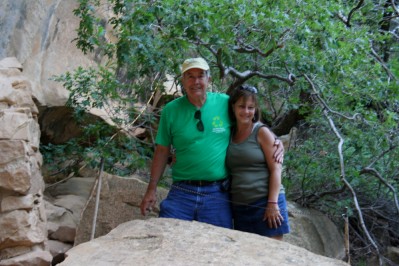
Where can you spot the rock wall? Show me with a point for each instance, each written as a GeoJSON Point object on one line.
{"type": "Point", "coordinates": [23, 234]}
{"type": "Point", "coordinates": [40, 35]}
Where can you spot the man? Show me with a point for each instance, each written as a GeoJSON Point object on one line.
{"type": "Point", "coordinates": [197, 125]}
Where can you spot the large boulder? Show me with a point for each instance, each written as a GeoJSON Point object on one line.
{"type": "Point", "coordinates": [120, 200]}
{"type": "Point", "coordinates": [77, 186]}
{"type": "Point", "coordinates": [314, 231]}
{"type": "Point", "coordinates": [162, 241]}
{"type": "Point", "coordinates": [63, 214]}
{"type": "Point", "coordinates": [65, 202]}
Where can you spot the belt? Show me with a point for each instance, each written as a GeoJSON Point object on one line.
{"type": "Point", "coordinates": [198, 183]}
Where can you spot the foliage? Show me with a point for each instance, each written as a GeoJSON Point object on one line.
{"type": "Point", "coordinates": [109, 138]}
{"type": "Point", "coordinates": [328, 68]}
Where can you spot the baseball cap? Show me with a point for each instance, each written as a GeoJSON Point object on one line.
{"type": "Point", "coordinates": [194, 63]}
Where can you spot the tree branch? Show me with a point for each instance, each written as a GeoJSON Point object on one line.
{"type": "Point", "coordinates": [243, 76]}
{"type": "Point", "coordinates": [347, 21]}
{"type": "Point", "coordinates": [249, 49]}
{"type": "Point", "coordinates": [342, 165]}
{"type": "Point", "coordinates": [316, 196]}
{"type": "Point", "coordinates": [325, 106]}
{"type": "Point", "coordinates": [242, 47]}
{"type": "Point", "coordinates": [374, 172]}
{"type": "Point", "coordinates": [382, 155]}
{"type": "Point", "coordinates": [394, 7]}
{"type": "Point", "coordinates": [379, 59]}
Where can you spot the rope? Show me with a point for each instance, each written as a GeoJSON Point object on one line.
{"type": "Point", "coordinates": [346, 234]}
{"type": "Point", "coordinates": [169, 186]}
{"type": "Point", "coordinates": [93, 227]}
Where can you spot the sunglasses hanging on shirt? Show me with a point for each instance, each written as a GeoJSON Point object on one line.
{"type": "Point", "coordinates": [200, 125]}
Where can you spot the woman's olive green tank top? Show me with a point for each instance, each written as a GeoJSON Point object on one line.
{"type": "Point", "coordinates": [248, 169]}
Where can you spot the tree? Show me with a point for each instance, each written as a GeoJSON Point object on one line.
{"type": "Point", "coordinates": [327, 68]}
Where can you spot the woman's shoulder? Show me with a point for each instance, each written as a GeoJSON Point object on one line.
{"type": "Point", "coordinates": [263, 132]}
{"type": "Point", "coordinates": [259, 126]}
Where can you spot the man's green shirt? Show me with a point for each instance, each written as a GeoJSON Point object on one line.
{"type": "Point", "coordinates": [199, 155]}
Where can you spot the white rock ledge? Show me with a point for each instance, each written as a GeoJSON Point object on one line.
{"type": "Point", "coordinates": [160, 241]}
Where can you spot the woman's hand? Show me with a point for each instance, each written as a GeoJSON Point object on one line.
{"type": "Point", "coordinates": [278, 154]}
{"type": "Point", "coordinates": [273, 215]}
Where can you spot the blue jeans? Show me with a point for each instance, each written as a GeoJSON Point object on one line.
{"type": "Point", "coordinates": [249, 218]}
{"type": "Point", "coordinates": [208, 204]}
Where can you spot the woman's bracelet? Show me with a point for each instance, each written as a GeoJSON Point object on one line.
{"type": "Point", "coordinates": [272, 202]}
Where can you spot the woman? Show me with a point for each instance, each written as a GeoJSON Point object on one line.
{"type": "Point", "coordinates": [259, 204]}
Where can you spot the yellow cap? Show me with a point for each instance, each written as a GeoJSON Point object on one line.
{"type": "Point", "coordinates": [194, 63]}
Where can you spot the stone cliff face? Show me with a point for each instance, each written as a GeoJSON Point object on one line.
{"type": "Point", "coordinates": [39, 34]}
{"type": "Point", "coordinates": [23, 234]}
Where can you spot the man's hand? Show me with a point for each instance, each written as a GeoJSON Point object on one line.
{"type": "Point", "coordinates": [148, 202]}
{"type": "Point", "coordinates": [279, 152]}
{"type": "Point", "coordinates": [159, 162]}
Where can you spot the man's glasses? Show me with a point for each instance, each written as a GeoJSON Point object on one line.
{"type": "Point", "coordinates": [251, 89]}
{"type": "Point", "coordinates": [200, 125]}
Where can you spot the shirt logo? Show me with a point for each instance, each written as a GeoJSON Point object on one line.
{"type": "Point", "coordinates": [217, 125]}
